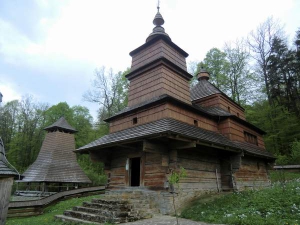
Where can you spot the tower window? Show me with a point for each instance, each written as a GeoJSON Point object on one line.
{"type": "Point", "coordinates": [250, 138]}
{"type": "Point", "coordinates": [134, 120]}
{"type": "Point", "coordinates": [196, 123]}
{"type": "Point", "coordinates": [228, 108]}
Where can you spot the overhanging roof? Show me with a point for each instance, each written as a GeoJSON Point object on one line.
{"type": "Point", "coordinates": [166, 127]}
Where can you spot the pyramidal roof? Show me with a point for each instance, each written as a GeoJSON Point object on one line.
{"type": "Point", "coordinates": [56, 161]}
{"type": "Point", "coordinates": [5, 170]}
{"type": "Point", "coordinates": [62, 124]}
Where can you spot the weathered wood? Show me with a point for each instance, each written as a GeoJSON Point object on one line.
{"type": "Point", "coordinates": [183, 145]}
{"type": "Point", "coordinates": [152, 147]}
{"type": "Point", "coordinates": [5, 191]}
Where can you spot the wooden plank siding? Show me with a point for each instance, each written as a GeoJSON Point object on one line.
{"type": "Point", "coordinates": [235, 131]}
{"type": "Point", "coordinates": [218, 100]}
{"type": "Point", "coordinates": [158, 50]}
{"type": "Point", "coordinates": [156, 82]}
{"type": "Point", "coordinates": [188, 117]}
{"type": "Point", "coordinates": [165, 110]}
{"type": "Point", "coordinates": [144, 116]}
{"type": "Point", "coordinates": [5, 191]}
{"type": "Point", "coordinates": [252, 174]}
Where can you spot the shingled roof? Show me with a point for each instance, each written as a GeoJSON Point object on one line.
{"type": "Point", "coordinates": [61, 123]}
{"type": "Point", "coordinates": [56, 161]}
{"type": "Point", "coordinates": [166, 126]}
{"type": "Point", "coordinates": [203, 89]}
{"type": "Point", "coordinates": [5, 170]}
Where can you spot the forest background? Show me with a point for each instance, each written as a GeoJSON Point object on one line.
{"type": "Point", "coordinates": [260, 72]}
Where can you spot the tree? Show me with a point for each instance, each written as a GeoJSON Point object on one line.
{"type": "Point", "coordinates": [241, 80]}
{"type": "Point", "coordinates": [216, 64]}
{"type": "Point", "coordinates": [260, 44]}
{"type": "Point", "coordinates": [28, 135]}
{"type": "Point", "coordinates": [109, 91]}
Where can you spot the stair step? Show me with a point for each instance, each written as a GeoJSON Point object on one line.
{"type": "Point", "coordinates": [107, 213]}
{"type": "Point", "coordinates": [107, 206]}
{"type": "Point", "coordinates": [92, 217]}
{"type": "Point", "coordinates": [74, 220]}
{"type": "Point", "coordinates": [109, 201]}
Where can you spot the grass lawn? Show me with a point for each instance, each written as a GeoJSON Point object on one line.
{"type": "Point", "coordinates": [50, 212]}
{"type": "Point", "coordinates": [279, 204]}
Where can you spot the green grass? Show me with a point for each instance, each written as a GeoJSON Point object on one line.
{"type": "Point", "coordinates": [279, 204]}
{"type": "Point", "coordinates": [50, 212]}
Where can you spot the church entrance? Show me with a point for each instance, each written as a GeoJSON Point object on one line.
{"type": "Point", "coordinates": [135, 172]}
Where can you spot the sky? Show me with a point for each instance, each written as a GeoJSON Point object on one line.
{"type": "Point", "coordinates": [49, 49]}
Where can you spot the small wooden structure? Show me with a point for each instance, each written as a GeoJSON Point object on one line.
{"type": "Point", "coordinates": [167, 126]}
{"type": "Point", "coordinates": [56, 162]}
{"type": "Point", "coordinates": [7, 176]}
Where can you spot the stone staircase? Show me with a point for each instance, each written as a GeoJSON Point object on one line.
{"type": "Point", "coordinates": [115, 206]}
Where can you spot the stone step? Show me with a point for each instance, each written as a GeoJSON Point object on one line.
{"type": "Point", "coordinates": [107, 206]}
{"type": "Point", "coordinates": [109, 201]}
{"type": "Point", "coordinates": [107, 213]}
{"type": "Point", "coordinates": [92, 217]}
{"type": "Point", "coordinates": [74, 220]}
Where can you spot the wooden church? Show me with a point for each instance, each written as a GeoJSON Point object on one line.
{"type": "Point", "coordinates": [167, 125]}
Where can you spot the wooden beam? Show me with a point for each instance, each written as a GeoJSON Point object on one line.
{"type": "Point", "coordinates": [183, 145]}
{"type": "Point", "coordinates": [154, 147]}
{"type": "Point", "coordinates": [127, 147]}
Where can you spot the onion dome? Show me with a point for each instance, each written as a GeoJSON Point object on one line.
{"type": "Point", "coordinates": [158, 29]}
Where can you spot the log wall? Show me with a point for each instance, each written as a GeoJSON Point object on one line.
{"type": "Point", "coordinates": [252, 174]}
{"type": "Point", "coordinates": [201, 171]}
{"type": "Point", "coordinates": [155, 170]}
{"type": "Point", "coordinates": [5, 192]}
{"type": "Point", "coordinates": [159, 49]}
{"type": "Point", "coordinates": [156, 82]}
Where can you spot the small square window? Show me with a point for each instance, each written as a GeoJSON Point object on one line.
{"type": "Point", "coordinates": [196, 123]}
{"type": "Point", "coordinates": [134, 120]}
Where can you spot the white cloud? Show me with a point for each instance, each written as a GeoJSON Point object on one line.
{"type": "Point", "coordinates": [9, 92]}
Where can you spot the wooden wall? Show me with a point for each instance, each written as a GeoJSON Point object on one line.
{"type": "Point", "coordinates": [201, 170]}
{"type": "Point", "coordinates": [235, 131]}
{"type": "Point", "coordinates": [157, 50]}
{"type": "Point", "coordinates": [252, 174]}
{"type": "Point", "coordinates": [186, 116]}
{"type": "Point", "coordinates": [156, 82]}
{"type": "Point", "coordinates": [5, 191]}
{"type": "Point", "coordinates": [155, 172]}
{"type": "Point", "coordinates": [163, 110]}
{"type": "Point", "coordinates": [219, 100]}
{"type": "Point", "coordinates": [144, 116]}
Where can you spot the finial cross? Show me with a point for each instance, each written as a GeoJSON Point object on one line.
{"type": "Point", "coordinates": [158, 2]}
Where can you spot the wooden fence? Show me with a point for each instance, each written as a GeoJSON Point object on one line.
{"type": "Point", "coordinates": [36, 207]}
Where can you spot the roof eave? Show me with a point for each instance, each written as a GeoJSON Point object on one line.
{"type": "Point", "coordinates": [160, 37]}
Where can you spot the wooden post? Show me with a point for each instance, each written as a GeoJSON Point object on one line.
{"type": "Point", "coordinates": [5, 191]}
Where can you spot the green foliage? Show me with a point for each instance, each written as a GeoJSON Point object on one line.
{"type": "Point", "coordinates": [48, 217]}
{"type": "Point", "coordinates": [94, 170]}
{"type": "Point", "coordinates": [295, 154]}
{"type": "Point", "coordinates": [177, 176]}
{"type": "Point", "coordinates": [263, 207]}
{"type": "Point", "coordinates": [282, 126]}
{"type": "Point", "coordinates": [283, 176]}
